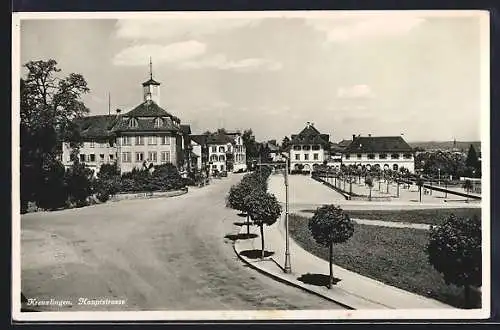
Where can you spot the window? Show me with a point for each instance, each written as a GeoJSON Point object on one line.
{"type": "Point", "coordinates": [306, 156]}
{"type": "Point", "coordinates": [139, 157]}
{"type": "Point", "coordinates": [213, 158]}
{"type": "Point", "coordinates": [407, 156]}
{"type": "Point", "coordinates": [214, 149]}
{"type": "Point", "coordinates": [395, 167]}
{"type": "Point", "coordinates": [297, 148]}
{"type": "Point", "coordinates": [382, 156]}
{"type": "Point", "coordinates": [132, 123]}
{"type": "Point", "coordinates": [92, 157]}
{"type": "Point", "coordinates": [359, 156]}
{"type": "Point", "coordinates": [165, 157]}
{"type": "Point", "coordinates": [315, 147]}
{"type": "Point", "coordinates": [394, 156]}
{"type": "Point", "coordinates": [82, 158]}
{"type": "Point", "coordinates": [221, 158]}
{"type": "Point", "coordinates": [222, 167]}
{"type": "Point", "coordinates": [126, 141]}
{"type": "Point", "coordinates": [158, 122]}
{"type": "Point", "coordinates": [152, 156]}
{"type": "Point", "coordinates": [214, 167]}
{"type": "Point", "coordinates": [92, 144]}
{"type": "Point", "coordinates": [297, 156]}
{"type": "Point", "coordinates": [139, 140]}
{"type": "Point", "coordinates": [306, 147]}
{"type": "Point", "coordinates": [126, 157]}
{"type": "Point", "coordinates": [347, 156]}
{"type": "Point", "coordinates": [165, 140]}
{"type": "Point", "coordinates": [315, 156]}
{"type": "Point", "coordinates": [222, 149]}
{"type": "Point", "coordinates": [101, 156]}
{"type": "Point", "coordinates": [371, 156]}
{"type": "Point", "coordinates": [111, 156]}
{"type": "Point", "coordinates": [152, 140]}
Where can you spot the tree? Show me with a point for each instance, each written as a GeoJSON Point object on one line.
{"type": "Point", "coordinates": [420, 183]}
{"type": "Point", "coordinates": [285, 144]}
{"type": "Point", "coordinates": [330, 225]}
{"type": "Point", "coordinates": [472, 161]}
{"type": "Point", "coordinates": [79, 183]}
{"type": "Point", "coordinates": [50, 191]}
{"type": "Point", "coordinates": [48, 104]}
{"type": "Point", "coordinates": [454, 250]}
{"type": "Point", "coordinates": [369, 183]}
{"type": "Point", "coordinates": [264, 209]}
{"type": "Point", "coordinates": [251, 146]}
{"type": "Point", "coordinates": [236, 199]}
{"type": "Point", "coordinates": [468, 187]}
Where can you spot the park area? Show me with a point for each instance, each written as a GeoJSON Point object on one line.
{"type": "Point", "coordinates": [394, 256]}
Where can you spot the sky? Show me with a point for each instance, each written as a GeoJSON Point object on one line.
{"type": "Point", "coordinates": [383, 73]}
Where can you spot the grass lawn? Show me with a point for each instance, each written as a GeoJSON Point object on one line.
{"type": "Point", "coordinates": [427, 216]}
{"type": "Point", "coordinates": [391, 255]}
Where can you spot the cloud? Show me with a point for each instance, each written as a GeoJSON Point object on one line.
{"type": "Point", "coordinates": [355, 92]}
{"type": "Point", "coordinates": [178, 26]}
{"type": "Point", "coordinates": [175, 52]}
{"type": "Point", "coordinates": [219, 61]}
{"type": "Point", "coordinates": [371, 26]}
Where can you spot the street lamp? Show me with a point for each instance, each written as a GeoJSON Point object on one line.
{"type": "Point", "coordinates": [439, 177]}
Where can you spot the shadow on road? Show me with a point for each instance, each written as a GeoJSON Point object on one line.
{"type": "Point", "coordinates": [242, 214]}
{"type": "Point", "coordinates": [256, 254]}
{"type": "Point", "coordinates": [317, 279]}
{"type": "Point", "coordinates": [234, 237]}
{"type": "Point", "coordinates": [237, 223]}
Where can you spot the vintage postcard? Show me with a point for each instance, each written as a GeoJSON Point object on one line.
{"type": "Point", "coordinates": [277, 165]}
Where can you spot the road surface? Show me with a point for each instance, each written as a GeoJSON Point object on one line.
{"type": "Point", "coordinates": [157, 254]}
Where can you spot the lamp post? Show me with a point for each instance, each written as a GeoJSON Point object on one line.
{"type": "Point", "coordinates": [439, 177]}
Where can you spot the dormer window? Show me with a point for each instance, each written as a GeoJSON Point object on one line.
{"type": "Point", "coordinates": [132, 123]}
{"type": "Point", "coordinates": [158, 122]}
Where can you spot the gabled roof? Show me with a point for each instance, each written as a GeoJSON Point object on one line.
{"type": "Point", "coordinates": [310, 135]}
{"type": "Point", "coordinates": [365, 144]}
{"type": "Point", "coordinates": [218, 138]}
{"type": "Point", "coordinates": [344, 143]}
{"type": "Point", "coordinates": [201, 139]}
{"type": "Point", "coordinates": [151, 81]}
{"type": "Point", "coordinates": [149, 109]}
{"type": "Point", "coordinates": [100, 126]}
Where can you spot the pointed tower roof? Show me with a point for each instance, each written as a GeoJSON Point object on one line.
{"type": "Point", "coordinates": [151, 81]}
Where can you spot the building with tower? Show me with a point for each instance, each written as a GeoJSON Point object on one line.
{"type": "Point", "coordinates": [147, 134]}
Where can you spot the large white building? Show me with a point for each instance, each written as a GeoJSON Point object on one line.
{"type": "Point", "coordinates": [145, 135]}
{"type": "Point", "coordinates": [385, 152]}
{"type": "Point", "coordinates": [309, 148]}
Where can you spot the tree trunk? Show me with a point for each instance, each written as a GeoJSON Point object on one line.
{"type": "Point", "coordinates": [467, 296]}
{"type": "Point", "coordinates": [398, 189]}
{"type": "Point", "coordinates": [262, 239]}
{"type": "Point", "coordinates": [420, 193]}
{"type": "Point", "coordinates": [370, 196]}
{"type": "Point", "coordinates": [330, 279]}
{"type": "Point", "coordinates": [248, 224]}
{"type": "Point", "coordinates": [387, 186]}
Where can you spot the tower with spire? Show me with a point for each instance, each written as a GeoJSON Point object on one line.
{"type": "Point", "coordinates": [151, 87]}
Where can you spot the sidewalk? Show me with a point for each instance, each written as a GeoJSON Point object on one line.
{"type": "Point", "coordinates": [353, 290]}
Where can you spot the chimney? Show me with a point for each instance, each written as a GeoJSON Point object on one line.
{"type": "Point", "coordinates": [369, 135]}
{"type": "Point", "coordinates": [353, 136]}
{"type": "Point", "coordinates": [118, 111]}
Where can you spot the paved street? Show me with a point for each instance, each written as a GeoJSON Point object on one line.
{"type": "Point", "coordinates": [158, 254]}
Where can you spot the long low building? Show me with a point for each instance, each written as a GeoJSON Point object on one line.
{"type": "Point", "coordinates": [385, 152]}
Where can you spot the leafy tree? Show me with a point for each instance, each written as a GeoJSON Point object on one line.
{"type": "Point", "coordinates": [48, 104]}
{"type": "Point", "coordinates": [369, 183]}
{"type": "Point", "coordinates": [468, 187]}
{"type": "Point", "coordinates": [330, 225]}
{"type": "Point", "coordinates": [251, 146]}
{"type": "Point", "coordinates": [454, 250]}
{"type": "Point", "coordinates": [236, 199]}
{"type": "Point", "coordinates": [285, 144]}
{"type": "Point", "coordinates": [264, 209]}
{"type": "Point", "coordinates": [79, 183]}
{"type": "Point", "coordinates": [50, 189]}
{"type": "Point", "coordinates": [472, 159]}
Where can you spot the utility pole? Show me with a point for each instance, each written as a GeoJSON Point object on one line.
{"type": "Point", "coordinates": [109, 103]}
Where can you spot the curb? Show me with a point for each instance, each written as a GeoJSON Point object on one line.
{"type": "Point", "coordinates": [287, 282]}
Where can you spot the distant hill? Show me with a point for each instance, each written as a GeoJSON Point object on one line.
{"type": "Point", "coordinates": [446, 145]}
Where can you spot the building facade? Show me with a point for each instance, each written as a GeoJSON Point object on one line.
{"type": "Point", "coordinates": [146, 135]}
{"type": "Point", "coordinates": [308, 149]}
{"type": "Point", "coordinates": [385, 152]}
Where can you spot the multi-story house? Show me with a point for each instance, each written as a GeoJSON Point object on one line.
{"type": "Point", "coordinates": [145, 135]}
{"type": "Point", "coordinates": [385, 152]}
{"type": "Point", "coordinates": [308, 149]}
{"type": "Point", "coordinates": [199, 151]}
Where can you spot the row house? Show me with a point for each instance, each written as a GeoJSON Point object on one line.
{"type": "Point", "coordinates": [146, 135]}
{"type": "Point", "coordinates": [384, 152]}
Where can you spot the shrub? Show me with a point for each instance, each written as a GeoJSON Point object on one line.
{"type": "Point", "coordinates": [79, 182]}
{"type": "Point", "coordinates": [50, 187]}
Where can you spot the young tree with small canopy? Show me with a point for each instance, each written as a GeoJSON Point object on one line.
{"type": "Point", "coordinates": [264, 209]}
{"type": "Point", "coordinates": [330, 225]}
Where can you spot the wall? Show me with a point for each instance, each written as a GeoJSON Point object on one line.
{"type": "Point", "coordinates": [307, 163]}
{"type": "Point", "coordinates": [401, 162]}
{"type": "Point", "coordinates": [98, 149]}
{"type": "Point", "coordinates": [145, 148]}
